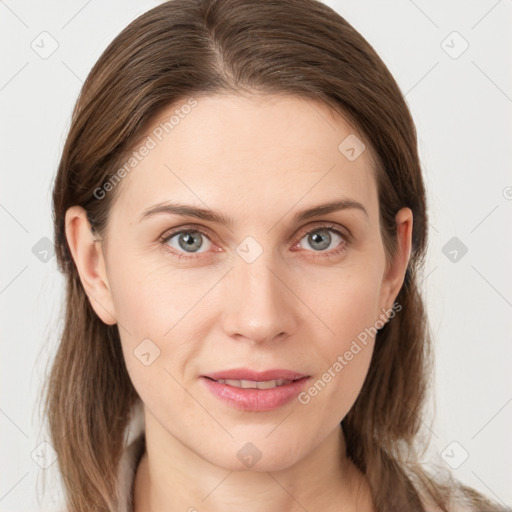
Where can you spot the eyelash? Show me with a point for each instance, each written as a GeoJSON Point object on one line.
{"type": "Point", "coordinates": [191, 229]}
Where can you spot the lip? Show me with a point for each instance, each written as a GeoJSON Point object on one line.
{"type": "Point", "coordinates": [255, 400]}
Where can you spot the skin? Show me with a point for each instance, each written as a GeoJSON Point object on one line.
{"type": "Point", "coordinates": [258, 159]}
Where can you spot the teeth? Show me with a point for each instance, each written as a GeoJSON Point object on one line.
{"type": "Point", "coordinates": [250, 384]}
{"type": "Point", "coordinates": [269, 384]}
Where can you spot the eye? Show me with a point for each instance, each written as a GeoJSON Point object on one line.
{"type": "Point", "coordinates": [187, 241]}
{"type": "Point", "coordinates": [321, 238]}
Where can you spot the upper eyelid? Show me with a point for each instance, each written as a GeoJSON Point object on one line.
{"type": "Point", "coordinates": [170, 233]}
{"type": "Point", "coordinates": [330, 226]}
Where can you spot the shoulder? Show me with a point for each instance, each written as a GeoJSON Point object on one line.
{"type": "Point", "coordinates": [461, 507]}
{"type": "Point", "coordinates": [463, 499]}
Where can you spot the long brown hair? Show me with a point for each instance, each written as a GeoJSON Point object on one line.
{"type": "Point", "coordinates": [184, 48]}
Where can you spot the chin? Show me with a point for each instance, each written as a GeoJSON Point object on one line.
{"type": "Point", "coordinates": [255, 456]}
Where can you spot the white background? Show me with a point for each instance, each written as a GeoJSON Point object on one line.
{"type": "Point", "coordinates": [462, 108]}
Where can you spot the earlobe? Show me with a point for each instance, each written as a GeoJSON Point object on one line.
{"type": "Point", "coordinates": [395, 274]}
{"type": "Point", "coordinates": [87, 253]}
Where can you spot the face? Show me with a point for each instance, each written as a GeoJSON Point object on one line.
{"type": "Point", "coordinates": [260, 280]}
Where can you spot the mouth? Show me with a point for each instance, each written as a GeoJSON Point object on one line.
{"type": "Point", "coordinates": [250, 384]}
{"type": "Point", "coordinates": [255, 391]}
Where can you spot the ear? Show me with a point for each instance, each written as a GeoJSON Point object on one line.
{"type": "Point", "coordinates": [86, 250]}
{"type": "Point", "coordinates": [395, 271]}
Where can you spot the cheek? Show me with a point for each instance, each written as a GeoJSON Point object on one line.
{"type": "Point", "coordinates": [347, 302]}
{"type": "Point", "coordinates": [150, 299]}
{"type": "Point", "coordinates": [349, 307]}
{"type": "Point", "coordinates": [159, 312]}
{"type": "Point", "coordinates": [345, 363]}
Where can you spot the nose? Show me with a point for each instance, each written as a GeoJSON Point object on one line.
{"type": "Point", "coordinates": [259, 306]}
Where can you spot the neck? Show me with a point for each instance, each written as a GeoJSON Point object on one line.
{"type": "Point", "coordinates": [171, 477]}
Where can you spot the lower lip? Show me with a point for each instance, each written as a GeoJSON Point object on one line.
{"type": "Point", "coordinates": [256, 399]}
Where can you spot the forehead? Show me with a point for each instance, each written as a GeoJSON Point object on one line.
{"type": "Point", "coordinates": [248, 153]}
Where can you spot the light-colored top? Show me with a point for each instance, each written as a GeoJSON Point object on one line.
{"type": "Point", "coordinates": [133, 450]}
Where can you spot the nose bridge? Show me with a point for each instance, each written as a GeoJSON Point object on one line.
{"type": "Point", "coordinates": [258, 307]}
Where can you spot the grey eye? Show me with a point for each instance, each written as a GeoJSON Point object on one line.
{"type": "Point", "coordinates": [321, 239]}
{"type": "Point", "coordinates": [189, 241]}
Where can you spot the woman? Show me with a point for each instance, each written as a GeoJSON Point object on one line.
{"type": "Point", "coordinates": [241, 217]}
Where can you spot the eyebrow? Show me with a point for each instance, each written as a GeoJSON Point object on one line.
{"type": "Point", "coordinates": [171, 208]}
